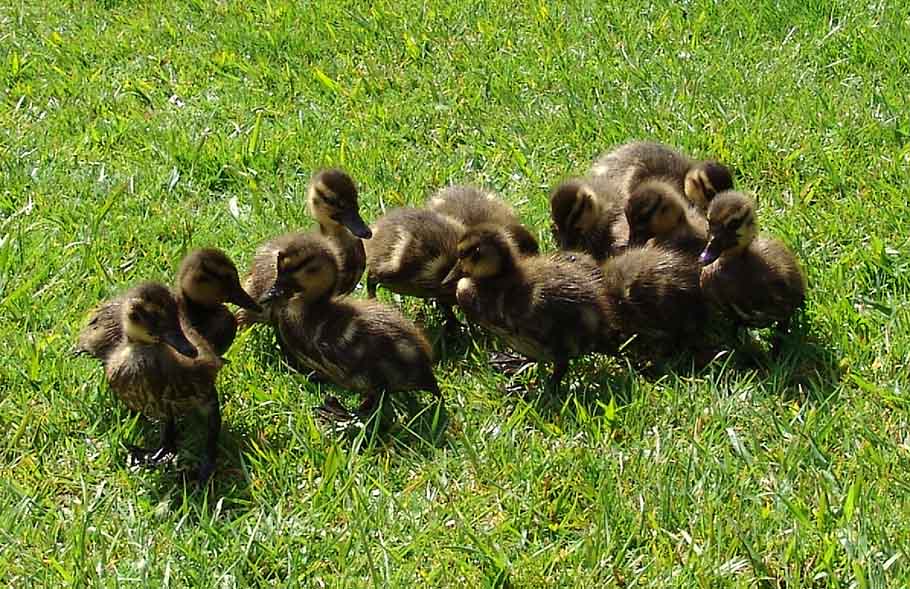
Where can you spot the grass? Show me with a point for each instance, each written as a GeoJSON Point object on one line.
{"type": "Point", "coordinates": [133, 131]}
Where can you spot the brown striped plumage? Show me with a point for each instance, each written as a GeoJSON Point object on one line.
{"type": "Point", "coordinates": [206, 279]}
{"type": "Point", "coordinates": [656, 211]}
{"type": "Point", "coordinates": [332, 199]}
{"type": "Point", "coordinates": [361, 345]}
{"type": "Point", "coordinates": [549, 308]}
{"type": "Point", "coordinates": [630, 164]}
{"type": "Point", "coordinates": [587, 215]}
{"type": "Point", "coordinates": [753, 279]}
{"type": "Point", "coordinates": [473, 206]}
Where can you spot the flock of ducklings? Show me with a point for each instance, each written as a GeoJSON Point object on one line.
{"type": "Point", "coordinates": [653, 245]}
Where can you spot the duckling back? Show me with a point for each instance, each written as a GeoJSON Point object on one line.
{"type": "Point", "coordinates": [362, 345]}
{"type": "Point", "coordinates": [653, 292]}
{"type": "Point", "coordinates": [761, 286]}
{"type": "Point", "coordinates": [472, 206]}
{"type": "Point", "coordinates": [552, 307]}
{"type": "Point", "coordinates": [412, 251]}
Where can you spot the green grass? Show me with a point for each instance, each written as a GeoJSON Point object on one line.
{"type": "Point", "coordinates": [128, 128]}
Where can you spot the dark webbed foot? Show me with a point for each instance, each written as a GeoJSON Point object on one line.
{"type": "Point", "coordinates": [333, 410]}
{"type": "Point", "coordinates": [507, 363]}
{"type": "Point", "coordinates": [166, 450]}
{"type": "Point", "coordinates": [559, 371]}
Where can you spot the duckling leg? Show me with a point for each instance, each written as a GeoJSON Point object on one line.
{"type": "Point", "coordinates": [371, 287]}
{"type": "Point", "coordinates": [452, 324]}
{"type": "Point", "coordinates": [207, 468]}
{"type": "Point", "coordinates": [167, 447]}
{"type": "Point", "coordinates": [559, 370]}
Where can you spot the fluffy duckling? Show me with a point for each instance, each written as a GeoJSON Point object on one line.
{"type": "Point", "coordinates": [332, 200]}
{"type": "Point", "coordinates": [587, 215]}
{"type": "Point", "coordinates": [541, 306]}
{"type": "Point", "coordinates": [632, 163]}
{"type": "Point", "coordinates": [361, 345]}
{"type": "Point", "coordinates": [411, 252]}
{"type": "Point", "coordinates": [653, 292]}
{"type": "Point", "coordinates": [207, 278]}
{"type": "Point", "coordinates": [155, 370]}
{"type": "Point", "coordinates": [655, 210]}
{"type": "Point", "coordinates": [754, 279]}
{"type": "Point", "coordinates": [472, 206]}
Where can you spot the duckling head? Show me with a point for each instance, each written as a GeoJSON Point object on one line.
{"type": "Point", "coordinates": [307, 269]}
{"type": "Point", "coordinates": [574, 212]}
{"type": "Point", "coordinates": [149, 316]}
{"type": "Point", "coordinates": [332, 199]}
{"type": "Point", "coordinates": [705, 180]}
{"type": "Point", "coordinates": [208, 277]}
{"type": "Point", "coordinates": [484, 252]}
{"type": "Point", "coordinates": [731, 226]}
{"type": "Point", "coordinates": [653, 209]}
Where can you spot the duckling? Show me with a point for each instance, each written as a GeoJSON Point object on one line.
{"type": "Point", "coordinates": [207, 278]}
{"type": "Point", "coordinates": [333, 201]}
{"type": "Point", "coordinates": [655, 210]}
{"type": "Point", "coordinates": [542, 306]}
{"type": "Point", "coordinates": [587, 215]}
{"type": "Point", "coordinates": [156, 370]}
{"type": "Point", "coordinates": [653, 292]}
{"type": "Point", "coordinates": [411, 252]}
{"type": "Point", "coordinates": [754, 279]}
{"type": "Point", "coordinates": [632, 163]}
{"type": "Point", "coordinates": [361, 345]}
{"type": "Point", "coordinates": [472, 206]}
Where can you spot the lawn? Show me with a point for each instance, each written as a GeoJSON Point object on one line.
{"type": "Point", "coordinates": [131, 132]}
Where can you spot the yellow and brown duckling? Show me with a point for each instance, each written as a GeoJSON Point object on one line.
{"type": "Point", "coordinates": [156, 370]}
{"type": "Point", "coordinates": [656, 211]}
{"type": "Point", "coordinates": [630, 164]}
{"type": "Point", "coordinates": [653, 293]}
{"type": "Point", "coordinates": [361, 345]}
{"type": "Point", "coordinates": [587, 216]}
{"type": "Point", "coordinates": [473, 206]}
{"type": "Point", "coordinates": [207, 278]}
{"type": "Point", "coordinates": [411, 252]}
{"type": "Point", "coordinates": [754, 279]}
{"type": "Point", "coordinates": [545, 307]}
{"type": "Point", "coordinates": [332, 199]}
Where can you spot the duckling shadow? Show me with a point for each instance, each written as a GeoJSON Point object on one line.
{"type": "Point", "coordinates": [402, 421]}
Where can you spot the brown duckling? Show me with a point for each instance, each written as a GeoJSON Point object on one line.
{"type": "Point", "coordinates": [656, 211]}
{"type": "Point", "coordinates": [332, 200]}
{"type": "Point", "coordinates": [754, 279]}
{"type": "Point", "coordinates": [630, 164]}
{"type": "Point", "coordinates": [587, 215]}
{"type": "Point", "coordinates": [361, 345]}
{"type": "Point", "coordinates": [155, 370]}
{"type": "Point", "coordinates": [207, 278]}
{"type": "Point", "coordinates": [542, 306]}
{"type": "Point", "coordinates": [472, 206]}
{"type": "Point", "coordinates": [411, 252]}
{"type": "Point", "coordinates": [653, 292]}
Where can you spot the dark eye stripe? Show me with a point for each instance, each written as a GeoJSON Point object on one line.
{"type": "Point", "coordinates": [646, 214]}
